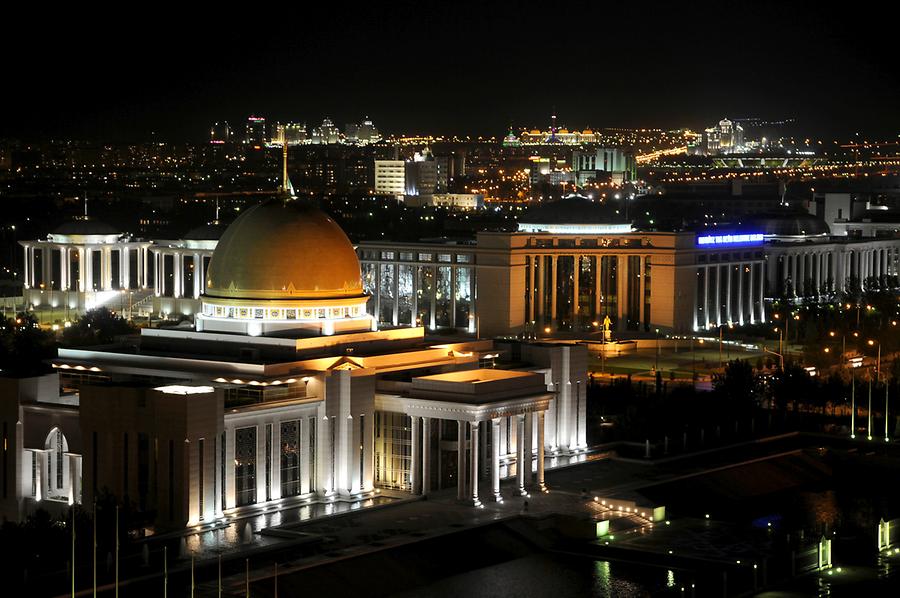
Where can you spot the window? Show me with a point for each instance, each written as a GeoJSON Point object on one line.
{"type": "Point", "coordinates": [268, 462]}
{"type": "Point", "coordinates": [245, 466]}
{"type": "Point", "coordinates": [312, 422]}
{"type": "Point", "coordinates": [200, 472]}
{"type": "Point", "coordinates": [222, 471]}
{"type": "Point", "coordinates": [445, 257]}
{"type": "Point", "coordinates": [59, 460]}
{"type": "Point", "coordinates": [290, 458]}
{"type": "Point", "coordinates": [393, 450]}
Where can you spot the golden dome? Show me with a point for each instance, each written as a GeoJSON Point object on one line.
{"type": "Point", "coordinates": [280, 250]}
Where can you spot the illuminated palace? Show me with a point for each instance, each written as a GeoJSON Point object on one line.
{"type": "Point", "coordinates": [642, 280]}
{"type": "Point", "coordinates": [286, 391]}
{"type": "Point", "coordinates": [566, 269]}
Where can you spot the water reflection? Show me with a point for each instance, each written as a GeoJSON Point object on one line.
{"type": "Point", "coordinates": [244, 532]}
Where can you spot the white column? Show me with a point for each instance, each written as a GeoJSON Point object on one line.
{"type": "Point", "coordinates": [27, 265]}
{"type": "Point", "coordinates": [762, 292]}
{"type": "Point", "coordinates": [528, 449]}
{"type": "Point", "coordinates": [197, 274]}
{"type": "Point", "coordinates": [539, 312]}
{"type": "Point", "coordinates": [415, 468]}
{"type": "Point", "coordinates": [178, 267]}
{"type": "Point", "coordinates": [642, 264]}
{"type": "Point", "coordinates": [89, 269]}
{"type": "Point", "coordinates": [706, 297]}
{"type": "Point", "coordinates": [426, 455]}
{"type": "Point", "coordinates": [576, 289]}
{"type": "Point", "coordinates": [740, 294]}
{"type": "Point", "coordinates": [718, 290]}
{"type": "Point", "coordinates": [304, 455]}
{"type": "Point", "coordinates": [63, 268]}
{"type": "Point", "coordinates": [46, 267]}
{"type": "Point", "coordinates": [473, 465]}
{"type": "Point", "coordinates": [529, 263]}
{"type": "Point", "coordinates": [396, 292]}
{"type": "Point", "coordinates": [461, 460]}
{"type": "Point", "coordinates": [728, 315]}
{"type": "Point", "coordinates": [520, 455]}
{"type": "Point", "coordinates": [123, 268]}
{"type": "Point", "coordinates": [158, 271]}
{"type": "Point", "coordinates": [495, 459]}
{"type": "Point", "coordinates": [105, 270]}
{"type": "Point", "coordinates": [554, 285]}
{"type": "Point", "coordinates": [145, 267]}
{"type": "Point", "coordinates": [540, 450]}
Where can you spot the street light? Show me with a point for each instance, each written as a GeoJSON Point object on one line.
{"type": "Point", "coordinates": [832, 334]}
{"type": "Point", "coordinates": [767, 350]}
{"type": "Point", "coordinates": [657, 349]}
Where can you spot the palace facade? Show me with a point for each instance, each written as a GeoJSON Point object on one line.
{"type": "Point", "coordinates": [286, 391]}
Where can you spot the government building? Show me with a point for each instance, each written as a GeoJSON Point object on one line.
{"type": "Point", "coordinates": [565, 269]}
{"type": "Point", "coordinates": [286, 389]}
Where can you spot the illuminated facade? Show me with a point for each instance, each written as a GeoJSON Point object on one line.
{"type": "Point", "coordinates": [262, 409]}
{"type": "Point", "coordinates": [85, 264]}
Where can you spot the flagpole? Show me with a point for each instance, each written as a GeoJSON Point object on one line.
{"type": "Point", "coordinates": [95, 547]}
{"type": "Point", "coordinates": [73, 553]}
{"type": "Point", "coordinates": [117, 551]}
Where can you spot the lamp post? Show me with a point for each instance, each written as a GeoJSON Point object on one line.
{"type": "Point", "coordinates": [657, 349]}
{"type": "Point", "coordinates": [767, 350]}
{"type": "Point", "coordinates": [852, 404]}
{"type": "Point", "coordinates": [878, 360]}
{"type": "Point", "coordinates": [832, 334]}
{"type": "Point", "coordinates": [869, 413]}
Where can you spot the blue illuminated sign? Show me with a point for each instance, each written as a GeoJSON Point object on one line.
{"type": "Point", "coordinates": [741, 239]}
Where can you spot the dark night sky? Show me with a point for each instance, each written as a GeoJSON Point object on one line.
{"type": "Point", "coordinates": [453, 68]}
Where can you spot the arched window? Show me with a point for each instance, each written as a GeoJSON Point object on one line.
{"type": "Point", "coordinates": [56, 447]}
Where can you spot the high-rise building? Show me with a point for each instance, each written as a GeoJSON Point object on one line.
{"type": "Point", "coordinates": [328, 133]}
{"type": "Point", "coordinates": [295, 133]}
{"type": "Point", "coordinates": [725, 138]}
{"type": "Point", "coordinates": [255, 132]}
{"type": "Point", "coordinates": [390, 177]}
{"type": "Point", "coordinates": [277, 137]}
{"type": "Point", "coordinates": [220, 132]}
{"type": "Point", "coordinates": [606, 162]}
{"type": "Point", "coordinates": [367, 133]}
{"type": "Point", "coordinates": [421, 174]}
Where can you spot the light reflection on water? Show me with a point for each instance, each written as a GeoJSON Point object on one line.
{"type": "Point", "coordinates": [554, 577]}
{"type": "Point", "coordinates": [245, 532]}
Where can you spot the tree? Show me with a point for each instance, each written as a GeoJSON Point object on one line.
{"type": "Point", "coordinates": [738, 383]}
{"type": "Point", "coordinates": [96, 327]}
{"type": "Point", "coordinates": [25, 346]}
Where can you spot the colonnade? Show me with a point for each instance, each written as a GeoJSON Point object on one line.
{"type": "Point", "coordinates": [731, 293]}
{"type": "Point", "coordinates": [84, 256]}
{"type": "Point", "coordinates": [830, 269]}
{"type": "Point", "coordinates": [614, 296]}
{"type": "Point", "coordinates": [160, 271]}
{"type": "Point", "coordinates": [405, 285]}
{"type": "Point", "coordinates": [471, 440]}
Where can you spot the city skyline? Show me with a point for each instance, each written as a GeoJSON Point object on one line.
{"type": "Point", "coordinates": [419, 71]}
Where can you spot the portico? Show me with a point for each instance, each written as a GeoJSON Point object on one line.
{"type": "Point", "coordinates": [476, 401]}
{"type": "Point", "coordinates": [85, 264]}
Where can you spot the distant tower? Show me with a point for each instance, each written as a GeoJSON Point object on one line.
{"type": "Point", "coordinates": [284, 183]}
{"type": "Point", "coordinates": [287, 189]}
{"type": "Point", "coordinates": [553, 128]}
